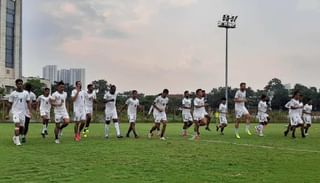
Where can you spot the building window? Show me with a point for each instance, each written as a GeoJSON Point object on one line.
{"type": "Point", "coordinates": [10, 21]}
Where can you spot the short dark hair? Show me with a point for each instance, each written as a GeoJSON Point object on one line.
{"type": "Point", "coordinates": [28, 86]}
{"type": "Point", "coordinates": [60, 83]}
{"type": "Point", "coordinates": [243, 83]}
{"type": "Point", "coordinates": [113, 86]}
{"type": "Point", "coordinates": [198, 90]}
{"type": "Point", "coordinates": [223, 98]}
{"type": "Point", "coordinates": [165, 91]}
{"type": "Point", "coordinates": [18, 81]}
{"type": "Point", "coordinates": [46, 89]}
{"type": "Point", "coordinates": [89, 85]}
{"type": "Point", "coordinates": [263, 96]}
{"type": "Point", "coordinates": [185, 92]}
{"type": "Point", "coordinates": [77, 82]}
{"type": "Point", "coordinates": [295, 93]}
{"type": "Point", "coordinates": [134, 91]}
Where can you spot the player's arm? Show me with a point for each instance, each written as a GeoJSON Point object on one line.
{"type": "Point", "coordinates": [123, 107]}
{"type": "Point", "coordinates": [29, 104]}
{"type": "Point", "coordinates": [156, 107]}
{"type": "Point", "coordinates": [38, 104]}
{"type": "Point", "coordinates": [9, 106]}
{"type": "Point", "coordinates": [75, 95]}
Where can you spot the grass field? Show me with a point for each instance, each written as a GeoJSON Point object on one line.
{"type": "Point", "coordinates": [214, 158]}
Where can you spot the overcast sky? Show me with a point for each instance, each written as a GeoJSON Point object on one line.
{"type": "Point", "coordinates": [154, 44]}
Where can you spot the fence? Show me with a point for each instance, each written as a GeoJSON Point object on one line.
{"type": "Point", "coordinates": [173, 114]}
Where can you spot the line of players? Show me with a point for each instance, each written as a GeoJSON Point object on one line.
{"type": "Point", "coordinates": [22, 99]}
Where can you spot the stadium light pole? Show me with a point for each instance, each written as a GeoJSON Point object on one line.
{"type": "Point", "coordinates": [227, 22]}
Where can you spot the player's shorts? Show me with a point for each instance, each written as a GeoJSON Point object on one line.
{"type": "Point", "coordinates": [132, 118]}
{"type": "Point", "coordinates": [79, 115]}
{"type": "Point", "coordinates": [223, 119]}
{"type": "Point", "coordinates": [159, 116]}
{"type": "Point", "coordinates": [198, 116]}
{"type": "Point", "coordinates": [19, 118]}
{"type": "Point", "coordinates": [60, 116]}
{"type": "Point", "coordinates": [89, 110]}
{"type": "Point", "coordinates": [295, 119]}
{"type": "Point", "coordinates": [240, 112]}
{"type": "Point", "coordinates": [186, 117]}
{"type": "Point", "coordinates": [110, 115]}
{"type": "Point", "coordinates": [307, 119]}
{"type": "Point", "coordinates": [45, 114]}
{"type": "Point", "coordinates": [262, 117]}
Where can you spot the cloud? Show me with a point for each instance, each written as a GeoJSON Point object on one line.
{"type": "Point", "coordinates": [308, 5]}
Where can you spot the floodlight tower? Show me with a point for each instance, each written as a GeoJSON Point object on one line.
{"type": "Point", "coordinates": [227, 22]}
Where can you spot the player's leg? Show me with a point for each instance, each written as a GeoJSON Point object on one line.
{"type": "Point", "coordinates": [129, 129]}
{"type": "Point", "coordinates": [117, 127]}
{"type": "Point", "coordinates": [57, 132]}
{"type": "Point", "coordinates": [307, 129]}
{"type": "Point", "coordinates": [87, 124]}
{"type": "Point", "coordinates": [208, 122]}
{"type": "Point", "coordinates": [107, 128]}
{"type": "Point", "coordinates": [196, 130]}
{"type": "Point", "coordinates": [184, 129]}
{"type": "Point", "coordinates": [17, 123]}
{"type": "Point", "coordinates": [222, 128]}
{"type": "Point", "coordinates": [301, 125]}
{"type": "Point", "coordinates": [236, 125]}
{"type": "Point", "coordinates": [43, 127]}
{"type": "Point", "coordinates": [133, 127]}
{"type": "Point", "coordinates": [25, 129]}
{"type": "Point", "coordinates": [163, 130]}
{"type": "Point", "coordinates": [153, 128]}
{"type": "Point", "coordinates": [247, 118]}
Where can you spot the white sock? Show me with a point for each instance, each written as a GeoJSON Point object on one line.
{"type": "Point", "coordinates": [261, 128]}
{"type": "Point", "coordinates": [236, 130]}
{"type": "Point", "coordinates": [117, 127]}
{"type": "Point", "coordinates": [44, 128]}
{"type": "Point", "coordinates": [106, 130]}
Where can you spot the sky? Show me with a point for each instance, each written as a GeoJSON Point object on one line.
{"type": "Point", "coordinates": [149, 45]}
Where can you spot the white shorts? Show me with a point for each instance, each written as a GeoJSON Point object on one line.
{"type": "Point", "coordinates": [19, 118]}
{"type": "Point", "coordinates": [223, 120]}
{"type": "Point", "coordinates": [262, 117]}
{"type": "Point", "coordinates": [89, 110]}
{"type": "Point", "coordinates": [186, 117]}
{"type": "Point", "coordinates": [198, 116]}
{"type": "Point", "coordinates": [132, 118]}
{"type": "Point", "coordinates": [307, 119]}
{"type": "Point", "coordinates": [240, 112]}
{"type": "Point", "coordinates": [60, 116]}
{"type": "Point", "coordinates": [110, 115]}
{"type": "Point", "coordinates": [159, 116]}
{"type": "Point", "coordinates": [45, 114]}
{"type": "Point", "coordinates": [295, 119]}
{"type": "Point", "coordinates": [79, 115]}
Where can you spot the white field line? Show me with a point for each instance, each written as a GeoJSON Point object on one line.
{"type": "Point", "coordinates": [258, 146]}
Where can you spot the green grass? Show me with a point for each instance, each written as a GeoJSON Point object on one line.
{"type": "Point", "coordinates": [214, 158]}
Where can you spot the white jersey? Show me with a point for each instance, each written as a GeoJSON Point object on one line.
{"type": "Point", "coordinates": [19, 101]}
{"type": "Point", "coordinates": [161, 103]}
{"type": "Point", "coordinates": [186, 102]}
{"type": "Point", "coordinates": [132, 106]}
{"type": "Point", "coordinates": [79, 103]}
{"type": "Point", "coordinates": [301, 108]}
{"type": "Point", "coordinates": [45, 104]}
{"type": "Point", "coordinates": [242, 96]}
{"type": "Point", "coordinates": [33, 98]}
{"type": "Point", "coordinates": [89, 98]}
{"type": "Point", "coordinates": [223, 110]}
{"type": "Point", "coordinates": [288, 104]}
{"type": "Point", "coordinates": [294, 103]}
{"type": "Point", "coordinates": [262, 107]}
{"type": "Point", "coordinates": [198, 102]}
{"type": "Point", "coordinates": [110, 106]}
{"type": "Point", "coordinates": [60, 98]}
{"type": "Point", "coordinates": [307, 109]}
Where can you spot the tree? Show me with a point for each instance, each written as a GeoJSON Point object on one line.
{"type": "Point", "coordinates": [37, 86]}
{"type": "Point", "coordinates": [100, 86]}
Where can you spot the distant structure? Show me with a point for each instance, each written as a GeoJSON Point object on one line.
{"type": "Point", "coordinates": [10, 42]}
{"type": "Point", "coordinates": [70, 76]}
{"type": "Point", "coordinates": [49, 72]}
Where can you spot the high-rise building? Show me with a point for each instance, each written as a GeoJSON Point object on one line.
{"type": "Point", "coordinates": [77, 74]}
{"type": "Point", "coordinates": [49, 72]}
{"type": "Point", "coordinates": [10, 42]}
{"type": "Point", "coordinates": [64, 75]}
